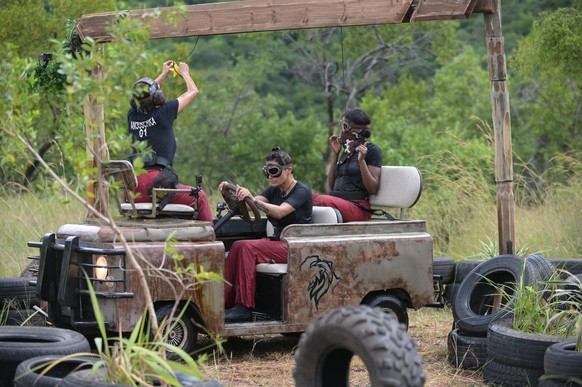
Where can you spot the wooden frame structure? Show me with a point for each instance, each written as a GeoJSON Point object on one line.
{"type": "Point", "coordinates": [274, 15]}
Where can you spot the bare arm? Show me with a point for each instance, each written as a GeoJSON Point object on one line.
{"type": "Point", "coordinates": [370, 174]}
{"type": "Point", "coordinates": [166, 66]}
{"type": "Point", "coordinates": [336, 145]}
{"type": "Point", "coordinates": [276, 211]}
{"type": "Point", "coordinates": [191, 88]}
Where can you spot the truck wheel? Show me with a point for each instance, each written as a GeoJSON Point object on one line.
{"type": "Point", "coordinates": [179, 332]}
{"type": "Point", "coordinates": [391, 305]}
{"type": "Point", "coordinates": [330, 342]}
{"type": "Point", "coordinates": [20, 343]}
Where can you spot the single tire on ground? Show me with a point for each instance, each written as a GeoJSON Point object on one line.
{"type": "Point", "coordinates": [517, 348]}
{"type": "Point", "coordinates": [331, 341]}
{"type": "Point", "coordinates": [563, 359]}
{"type": "Point", "coordinates": [475, 304]}
{"type": "Point", "coordinates": [467, 352]}
{"type": "Point", "coordinates": [505, 375]}
{"type": "Point", "coordinates": [49, 370]}
{"type": "Point", "coordinates": [21, 343]}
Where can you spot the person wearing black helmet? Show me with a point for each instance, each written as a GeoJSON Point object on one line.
{"type": "Point", "coordinates": [355, 174]}
{"type": "Point", "coordinates": [151, 119]}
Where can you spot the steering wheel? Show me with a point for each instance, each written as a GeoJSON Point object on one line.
{"type": "Point", "coordinates": [240, 207]}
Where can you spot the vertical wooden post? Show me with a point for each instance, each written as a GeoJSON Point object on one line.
{"type": "Point", "coordinates": [502, 129]}
{"type": "Point", "coordinates": [97, 151]}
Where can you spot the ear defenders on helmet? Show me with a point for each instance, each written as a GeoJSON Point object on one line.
{"type": "Point", "coordinates": [153, 90]}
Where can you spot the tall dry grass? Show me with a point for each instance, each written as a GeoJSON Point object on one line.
{"type": "Point", "coordinates": [27, 217]}
{"type": "Point", "coordinates": [458, 203]}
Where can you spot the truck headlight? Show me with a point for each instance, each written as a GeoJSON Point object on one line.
{"type": "Point", "coordinates": [100, 269]}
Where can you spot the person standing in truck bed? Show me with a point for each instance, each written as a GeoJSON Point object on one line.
{"type": "Point", "coordinates": [151, 119]}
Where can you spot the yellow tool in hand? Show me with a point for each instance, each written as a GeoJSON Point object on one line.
{"type": "Point", "coordinates": [175, 69]}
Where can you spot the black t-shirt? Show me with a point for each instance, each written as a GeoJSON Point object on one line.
{"type": "Point", "coordinates": [156, 127]}
{"type": "Point", "coordinates": [299, 198]}
{"type": "Point", "coordinates": [348, 177]}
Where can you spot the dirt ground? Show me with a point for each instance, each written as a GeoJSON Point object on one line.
{"type": "Point", "coordinates": [269, 360]}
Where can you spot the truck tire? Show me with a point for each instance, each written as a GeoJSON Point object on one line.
{"type": "Point", "coordinates": [390, 304]}
{"type": "Point", "coordinates": [527, 349]}
{"type": "Point", "coordinates": [445, 267]}
{"type": "Point", "coordinates": [563, 359]}
{"type": "Point", "coordinates": [472, 306]}
{"type": "Point", "coordinates": [180, 332]}
{"type": "Point", "coordinates": [466, 352]}
{"type": "Point", "coordinates": [32, 372]}
{"type": "Point", "coordinates": [17, 293]}
{"type": "Point", "coordinates": [499, 374]}
{"type": "Point", "coordinates": [20, 343]}
{"type": "Point", "coordinates": [330, 342]}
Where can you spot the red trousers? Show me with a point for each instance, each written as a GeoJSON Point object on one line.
{"type": "Point", "coordinates": [350, 212]}
{"type": "Point", "coordinates": [144, 181]}
{"type": "Point", "coordinates": [240, 270]}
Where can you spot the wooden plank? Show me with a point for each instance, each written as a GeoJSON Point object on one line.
{"type": "Point", "coordinates": [250, 16]}
{"type": "Point", "coordinates": [428, 10]}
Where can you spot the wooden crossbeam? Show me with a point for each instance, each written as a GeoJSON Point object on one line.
{"type": "Point", "coordinates": [275, 15]}
{"type": "Point", "coordinates": [427, 10]}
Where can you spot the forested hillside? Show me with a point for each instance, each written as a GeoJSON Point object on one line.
{"type": "Point", "coordinates": [425, 85]}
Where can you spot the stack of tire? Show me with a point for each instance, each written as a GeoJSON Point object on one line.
{"type": "Point", "coordinates": [17, 302]}
{"type": "Point", "coordinates": [24, 348]}
{"type": "Point", "coordinates": [468, 344]}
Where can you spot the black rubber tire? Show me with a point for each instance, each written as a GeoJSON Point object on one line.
{"type": "Point", "coordinates": [20, 343]}
{"type": "Point", "coordinates": [445, 267]}
{"type": "Point", "coordinates": [28, 317]}
{"type": "Point", "coordinates": [463, 268]}
{"type": "Point", "coordinates": [390, 304]}
{"type": "Point", "coordinates": [545, 269]}
{"type": "Point", "coordinates": [517, 348]}
{"type": "Point", "coordinates": [326, 348]}
{"type": "Point", "coordinates": [450, 293]}
{"type": "Point", "coordinates": [85, 378]}
{"type": "Point", "coordinates": [183, 333]}
{"type": "Point", "coordinates": [471, 309]}
{"type": "Point", "coordinates": [31, 370]}
{"type": "Point", "coordinates": [571, 265]}
{"type": "Point", "coordinates": [562, 359]}
{"type": "Point", "coordinates": [467, 352]}
{"type": "Point", "coordinates": [17, 293]}
{"type": "Point", "coordinates": [500, 374]}
{"type": "Point", "coordinates": [556, 383]}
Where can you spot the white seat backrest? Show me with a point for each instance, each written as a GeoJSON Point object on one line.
{"type": "Point", "coordinates": [400, 187]}
{"type": "Point", "coordinates": [318, 215]}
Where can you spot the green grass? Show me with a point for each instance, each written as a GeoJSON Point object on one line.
{"type": "Point", "coordinates": [28, 217]}
{"type": "Point", "coordinates": [460, 212]}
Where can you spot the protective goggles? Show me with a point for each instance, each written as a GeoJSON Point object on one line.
{"type": "Point", "coordinates": [345, 125]}
{"type": "Point", "coordinates": [273, 170]}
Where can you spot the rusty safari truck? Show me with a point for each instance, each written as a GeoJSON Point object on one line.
{"type": "Point", "coordinates": [382, 263]}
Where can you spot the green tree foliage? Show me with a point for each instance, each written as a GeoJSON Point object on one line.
{"type": "Point", "coordinates": [549, 109]}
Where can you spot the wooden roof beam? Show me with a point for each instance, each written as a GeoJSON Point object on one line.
{"type": "Point", "coordinates": [275, 15]}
